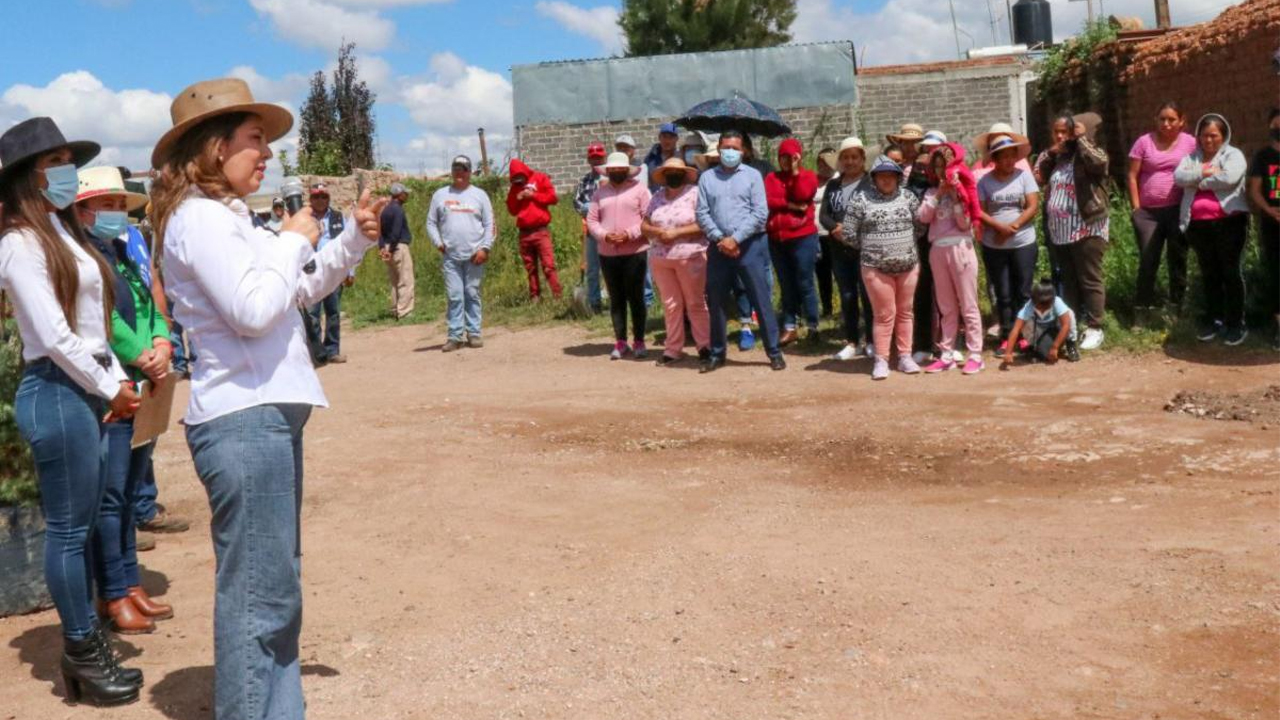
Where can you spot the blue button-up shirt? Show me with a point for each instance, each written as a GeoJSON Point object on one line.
{"type": "Point", "coordinates": [732, 204]}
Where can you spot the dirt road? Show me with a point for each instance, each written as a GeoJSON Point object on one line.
{"type": "Point", "coordinates": [531, 531]}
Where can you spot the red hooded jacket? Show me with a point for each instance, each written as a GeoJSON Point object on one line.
{"type": "Point", "coordinates": [780, 190]}
{"type": "Point", "coordinates": [531, 213]}
{"type": "Point", "coordinates": [959, 175]}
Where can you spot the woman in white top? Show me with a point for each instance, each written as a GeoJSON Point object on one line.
{"type": "Point", "coordinates": [72, 380]}
{"type": "Point", "coordinates": [236, 289]}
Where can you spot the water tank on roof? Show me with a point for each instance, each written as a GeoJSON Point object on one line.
{"type": "Point", "coordinates": [1032, 23]}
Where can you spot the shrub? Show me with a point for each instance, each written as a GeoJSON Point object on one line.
{"type": "Point", "coordinates": [17, 474]}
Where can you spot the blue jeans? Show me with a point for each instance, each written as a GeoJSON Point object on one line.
{"type": "Point", "coordinates": [752, 268]}
{"type": "Point", "coordinates": [144, 498]}
{"type": "Point", "coordinates": [331, 306]}
{"type": "Point", "coordinates": [251, 465]}
{"type": "Point", "coordinates": [62, 423]}
{"type": "Point", "coordinates": [743, 302]}
{"type": "Point", "coordinates": [855, 306]}
{"type": "Point", "coordinates": [115, 548]}
{"type": "Point", "coordinates": [462, 280]}
{"type": "Point", "coordinates": [796, 262]}
{"type": "Point", "coordinates": [182, 359]}
{"type": "Point", "coordinates": [593, 274]}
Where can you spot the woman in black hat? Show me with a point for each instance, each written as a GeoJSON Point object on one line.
{"type": "Point", "coordinates": [61, 289]}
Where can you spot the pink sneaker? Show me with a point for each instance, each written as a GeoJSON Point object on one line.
{"type": "Point", "coordinates": [940, 365]}
{"type": "Point", "coordinates": [974, 365]}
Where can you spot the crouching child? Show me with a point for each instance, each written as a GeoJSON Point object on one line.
{"type": "Point", "coordinates": [1048, 325]}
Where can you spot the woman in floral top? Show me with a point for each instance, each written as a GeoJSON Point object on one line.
{"type": "Point", "coordinates": [678, 258]}
{"type": "Point", "coordinates": [881, 223]}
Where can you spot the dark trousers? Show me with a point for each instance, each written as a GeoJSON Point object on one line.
{"type": "Point", "coordinates": [826, 273]}
{"type": "Point", "coordinates": [855, 306]}
{"type": "Point", "coordinates": [794, 261]}
{"type": "Point", "coordinates": [325, 345]}
{"type": "Point", "coordinates": [115, 548]}
{"type": "Point", "coordinates": [144, 498]}
{"type": "Point", "coordinates": [1084, 289]}
{"type": "Point", "coordinates": [624, 277]}
{"type": "Point", "coordinates": [1010, 272]}
{"type": "Point", "coordinates": [1269, 239]}
{"type": "Point", "coordinates": [1219, 245]}
{"type": "Point", "coordinates": [927, 320]}
{"type": "Point", "coordinates": [752, 267]}
{"type": "Point", "coordinates": [1055, 268]}
{"type": "Point", "coordinates": [1156, 228]}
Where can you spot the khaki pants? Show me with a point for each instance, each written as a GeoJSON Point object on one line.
{"type": "Point", "coordinates": [400, 273]}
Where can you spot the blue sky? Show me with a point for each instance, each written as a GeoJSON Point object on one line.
{"type": "Point", "coordinates": [106, 69]}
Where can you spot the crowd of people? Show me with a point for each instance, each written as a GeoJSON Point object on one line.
{"type": "Point", "coordinates": [247, 307]}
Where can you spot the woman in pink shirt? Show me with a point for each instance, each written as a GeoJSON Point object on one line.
{"type": "Point", "coordinates": [1156, 198]}
{"type": "Point", "coordinates": [954, 262]}
{"type": "Point", "coordinates": [678, 258]}
{"type": "Point", "coordinates": [617, 210]}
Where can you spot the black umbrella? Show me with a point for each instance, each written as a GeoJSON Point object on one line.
{"type": "Point", "coordinates": [741, 114]}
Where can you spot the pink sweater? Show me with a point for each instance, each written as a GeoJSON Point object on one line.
{"type": "Point", "coordinates": [617, 209]}
{"type": "Point", "coordinates": [946, 217]}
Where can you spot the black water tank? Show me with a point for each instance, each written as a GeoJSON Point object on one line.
{"type": "Point", "coordinates": [1032, 23]}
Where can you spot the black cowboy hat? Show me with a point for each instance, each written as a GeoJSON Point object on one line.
{"type": "Point", "coordinates": [37, 136]}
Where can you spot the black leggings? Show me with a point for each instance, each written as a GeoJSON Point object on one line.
{"type": "Point", "coordinates": [825, 274]}
{"type": "Point", "coordinates": [624, 277]}
{"type": "Point", "coordinates": [1269, 236]}
{"type": "Point", "coordinates": [1011, 271]}
{"type": "Point", "coordinates": [1219, 245]}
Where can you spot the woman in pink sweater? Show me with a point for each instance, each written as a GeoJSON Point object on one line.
{"type": "Point", "coordinates": [614, 218]}
{"type": "Point", "coordinates": [678, 258]}
{"type": "Point", "coordinates": [954, 262]}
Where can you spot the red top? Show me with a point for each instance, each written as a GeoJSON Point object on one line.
{"type": "Point", "coordinates": [531, 212]}
{"type": "Point", "coordinates": [800, 187]}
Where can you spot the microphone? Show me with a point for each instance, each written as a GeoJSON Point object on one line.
{"type": "Point", "coordinates": [291, 191]}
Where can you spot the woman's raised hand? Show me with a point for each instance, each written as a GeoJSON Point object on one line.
{"type": "Point", "coordinates": [368, 215]}
{"type": "Point", "coordinates": [304, 224]}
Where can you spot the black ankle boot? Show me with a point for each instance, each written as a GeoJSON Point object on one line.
{"type": "Point", "coordinates": [129, 675]}
{"type": "Point", "coordinates": [91, 677]}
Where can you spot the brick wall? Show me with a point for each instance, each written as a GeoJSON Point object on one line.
{"type": "Point", "coordinates": [962, 99]}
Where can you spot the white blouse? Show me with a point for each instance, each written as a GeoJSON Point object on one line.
{"type": "Point", "coordinates": [236, 290]}
{"type": "Point", "coordinates": [45, 332]}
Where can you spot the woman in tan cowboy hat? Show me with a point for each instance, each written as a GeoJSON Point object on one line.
{"type": "Point", "coordinates": [678, 258]}
{"type": "Point", "coordinates": [983, 163]}
{"type": "Point", "coordinates": [1010, 200]}
{"type": "Point", "coordinates": [236, 289]}
{"type": "Point", "coordinates": [62, 295]}
{"type": "Point", "coordinates": [140, 341]}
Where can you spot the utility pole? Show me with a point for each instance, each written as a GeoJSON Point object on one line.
{"type": "Point", "coordinates": [955, 29]}
{"type": "Point", "coordinates": [991, 14]}
{"type": "Point", "coordinates": [1162, 15]}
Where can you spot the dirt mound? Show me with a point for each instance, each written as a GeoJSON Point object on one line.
{"type": "Point", "coordinates": [1262, 406]}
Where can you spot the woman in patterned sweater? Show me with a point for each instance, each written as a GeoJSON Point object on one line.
{"type": "Point", "coordinates": [881, 224]}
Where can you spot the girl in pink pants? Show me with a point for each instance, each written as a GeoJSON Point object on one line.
{"type": "Point", "coordinates": [678, 258]}
{"type": "Point", "coordinates": [955, 265]}
{"type": "Point", "coordinates": [892, 298]}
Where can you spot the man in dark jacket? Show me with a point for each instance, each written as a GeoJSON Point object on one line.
{"type": "Point", "coordinates": [529, 201]}
{"type": "Point", "coordinates": [394, 249]}
{"type": "Point", "coordinates": [323, 336]}
{"type": "Point", "coordinates": [582, 203]}
{"type": "Point", "coordinates": [662, 151]}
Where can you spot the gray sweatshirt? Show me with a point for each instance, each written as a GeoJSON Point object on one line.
{"type": "Point", "coordinates": [461, 221]}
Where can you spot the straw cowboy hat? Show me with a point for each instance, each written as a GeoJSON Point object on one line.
{"type": "Point", "coordinates": [37, 136]}
{"type": "Point", "coordinates": [211, 98]}
{"type": "Point", "coordinates": [910, 132]}
{"type": "Point", "coordinates": [1002, 142]}
{"type": "Point", "coordinates": [107, 181]}
{"type": "Point", "coordinates": [980, 143]}
{"type": "Point", "coordinates": [675, 164]}
{"type": "Point", "coordinates": [618, 161]}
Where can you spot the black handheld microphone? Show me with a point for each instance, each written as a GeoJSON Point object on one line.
{"type": "Point", "coordinates": [291, 191]}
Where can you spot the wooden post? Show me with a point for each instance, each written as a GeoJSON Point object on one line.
{"type": "Point", "coordinates": [1162, 15]}
{"type": "Point", "coordinates": [484, 154]}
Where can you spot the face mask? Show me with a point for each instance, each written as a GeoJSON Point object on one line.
{"type": "Point", "coordinates": [64, 182]}
{"type": "Point", "coordinates": [730, 158]}
{"type": "Point", "coordinates": [617, 178]}
{"type": "Point", "coordinates": [1274, 134]}
{"type": "Point", "coordinates": [689, 157]}
{"type": "Point", "coordinates": [109, 224]}
{"type": "Point", "coordinates": [675, 181]}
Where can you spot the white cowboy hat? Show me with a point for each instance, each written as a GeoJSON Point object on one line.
{"type": "Point", "coordinates": [932, 138]}
{"type": "Point", "coordinates": [980, 142]}
{"type": "Point", "coordinates": [618, 161]}
{"type": "Point", "coordinates": [107, 181]}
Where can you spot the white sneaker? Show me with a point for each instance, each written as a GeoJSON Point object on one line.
{"type": "Point", "coordinates": [1092, 339]}
{"type": "Point", "coordinates": [922, 357]}
{"type": "Point", "coordinates": [908, 366]}
{"type": "Point", "coordinates": [957, 357]}
{"type": "Point", "coordinates": [847, 353]}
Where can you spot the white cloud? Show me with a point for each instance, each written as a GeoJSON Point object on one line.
{"type": "Point", "coordinates": [288, 90]}
{"type": "Point", "coordinates": [459, 98]}
{"type": "Point", "coordinates": [326, 23]}
{"type": "Point", "coordinates": [598, 23]}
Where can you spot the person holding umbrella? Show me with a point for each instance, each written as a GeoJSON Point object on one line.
{"type": "Point", "coordinates": [793, 239]}
{"type": "Point", "coordinates": [732, 212]}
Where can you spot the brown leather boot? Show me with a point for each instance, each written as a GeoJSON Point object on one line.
{"type": "Point", "coordinates": [147, 606]}
{"type": "Point", "coordinates": [788, 337]}
{"type": "Point", "coordinates": [126, 619]}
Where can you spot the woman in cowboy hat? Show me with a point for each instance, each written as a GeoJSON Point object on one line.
{"type": "Point", "coordinates": [983, 163]}
{"type": "Point", "coordinates": [236, 288]}
{"type": "Point", "coordinates": [614, 219]}
{"type": "Point", "coordinates": [678, 258]}
{"type": "Point", "coordinates": [140, 341]}
{"type": "Point", "coordinates": [1010, 201]}
{"type": "Point", "coordinates": [62, 295]}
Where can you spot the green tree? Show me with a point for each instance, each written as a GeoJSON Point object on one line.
{"type": "Point", "coordinates": [336, 133]}
{"type": "Point", "coordinates": [658, 27]}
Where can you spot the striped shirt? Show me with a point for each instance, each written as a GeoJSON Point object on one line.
{"type": "Point", "coordinates": [1066, 226]}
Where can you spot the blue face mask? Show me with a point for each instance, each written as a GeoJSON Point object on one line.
{"type": "Point", "coordinates": [730, 158]}
{"type": "Point", "coordinates": [109, 224]}
{"type": "Point", "coordinates": [690, 156]}
{"type": "Point", "coordinates": [63, 182]}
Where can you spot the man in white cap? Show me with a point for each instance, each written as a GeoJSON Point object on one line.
{"type": "Point", "coordinates": [624, 143]}
{"type": "Point", "coordinates": [460, 224]}
{"type": "Point", "coordinates": [394, 249]}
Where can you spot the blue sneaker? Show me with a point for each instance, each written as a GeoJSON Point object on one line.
{"type": "Point", "coordinates": [746, 339]}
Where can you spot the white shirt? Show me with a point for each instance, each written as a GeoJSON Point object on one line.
{"type": "Point", "coordinates": [41, 322]}
{"type": "Point", "coordinates": [236, 290]}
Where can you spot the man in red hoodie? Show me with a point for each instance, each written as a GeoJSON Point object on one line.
{"type": "Point", "coordinates": [529, 201]}
{"type": "Point", "coordinates": [793, 240]}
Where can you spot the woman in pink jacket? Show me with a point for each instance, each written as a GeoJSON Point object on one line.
{"type": "Point", "coordinates": [614, 218]}
{"type": "Point", "coordinates": [678, 258]}
{"type": "Point", "coordinates": [954, 262]}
